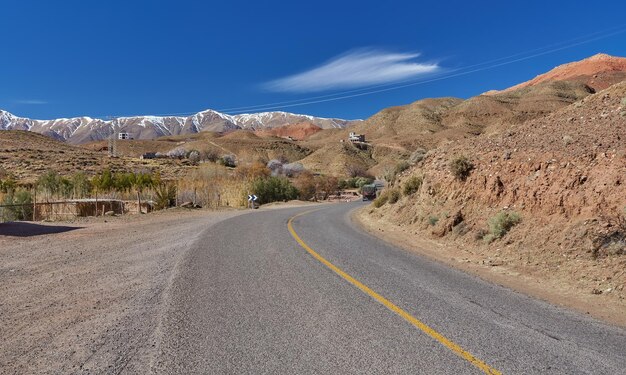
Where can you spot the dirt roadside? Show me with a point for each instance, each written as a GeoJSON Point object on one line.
{"type": "Point", "coordinates": [85, 297]}
{"type": "Point", "coordinates": [558, 291]}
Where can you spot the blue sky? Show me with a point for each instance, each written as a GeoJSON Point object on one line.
{"type": "Point", "coordinates": [98, 58]}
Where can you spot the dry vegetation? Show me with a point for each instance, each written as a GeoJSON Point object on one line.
{"type": "Point", "coordinates": [26, 156]}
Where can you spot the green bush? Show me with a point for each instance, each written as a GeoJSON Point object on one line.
{"type": "Point", "coordinates": [412, 185]}
{"type": "Point", "coordinates": [82, 185]}
{"type": "Point", "coordinates": [165, 196]}
{"type": "Point", "coordinates": [394, 196]}
{"type": "Point", "coordinates": [355, 182]}
{"type": "Point", "coordinates": [433, 220]}
{"type": "Point", "coordinates": [461, 167]}
{"type": "Point", "coordinates": [49, 183]}
{"type": "Point", "coordinates": [381, 199]}
{"type": "Point", "coordinates": [273, 189]}
{"type": "Point", "coordinates": [500, 224]}
{"type": "Point", "coordinates": [8, 185]}
{"type": "Point", "coordinates": [402, 166]}
{"type": "Point", "coordinates": [390, 196]}
{"type": "Point", "coordinates": [23, 206]}
{"type": "Point", "coordinates": [228, 161]}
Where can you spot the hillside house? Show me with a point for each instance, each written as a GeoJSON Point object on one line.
{"type": "Point", "coordinates": [356, 137]}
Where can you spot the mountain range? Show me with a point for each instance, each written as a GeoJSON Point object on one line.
{"type": "Point", "coordinates": [81, 130]}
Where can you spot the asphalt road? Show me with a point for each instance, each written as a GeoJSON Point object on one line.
{"type": "Point", "coordinates": [251, 299]}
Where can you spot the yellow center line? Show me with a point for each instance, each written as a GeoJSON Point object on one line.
{"type": "Point", "coordinates": [408, 317]}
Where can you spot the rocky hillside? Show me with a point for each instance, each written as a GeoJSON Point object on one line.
{"type": "Point", "coordinates": [85, 129]}
{"type": "Point", "coordinates": [396, 132]}
{"type": "Point", "coordinates": [560, 177]}
{"type": "Point", "coordinates": [26, 156]}
{"type": "Point", "coordinates": [598, 72]}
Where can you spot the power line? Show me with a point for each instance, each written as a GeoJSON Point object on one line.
{"type": "Point", "coordinates": [452, 73]}
{"type": "Point", "coordinates": [620, 29]}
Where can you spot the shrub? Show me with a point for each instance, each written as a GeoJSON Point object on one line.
{"type": "Point", "coordinates": [355, 182]}
{"type": "Point", "coordinates": [326, 186]}
{"type": "Point", "coordinates": [177, 153]}
{"type": "Point", "coordinates": [305, 183]}
{"type": "Point", "coordinates": [568, 140]}
{"type": "Point", "coordinates": [381, 199]}
{"type": "Point", "coordinates": [23, 209]}
{"type": "Point", "coordinates": [103, 182]}
{"type": "Point", "coordinates": [362, 181]}
{"type": "Point", "coordinates": [275, 166]}
{"type": "Point", "coordinates": [433, 220]}
{"type": "Point", "coordinates": [8, 185]}
{"type": "Point", "coordinates": [228, 161]}
{"type": "Point", "coordinates": [54, 185]}
{"type": "Point", "coordinates": [394, 196]}
{"type": "Point", "coordinates": [480, 234]}
{"type": "Point", "coordinates": [210, 155]}
{"type": "Point", "coordinates": [412, 185]}
{"type": "Point", "coordinates": [402, 166]}
{"type": "Point", "coordinates": [356, 170]}
{"type": "Point", "coordinates": [417, 156]}
{"type": "Point", "coordinates": [461, 167]}
{"type": "Point", "coordinates": [50, 183]}
{"type": "Point", "coordinates": [272, 189]}
{"type": "Point", "coordinates": [165, 195]}
{"type": "Point", "coordinates": [193, 156]}
{"type": "Point", "coordinates": [292, 169]}
{"type": "Point", "coordinates": [500, 224]}
{"type": "Point", "coordinates": [82, 185]}
{"type": "Point", "coordinates": [254, 170]}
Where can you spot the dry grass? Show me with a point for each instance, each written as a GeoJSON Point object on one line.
{"type": "Point", "coordinates": [213, 185]}
{"type": "Point", "coordinates": [27, 155]}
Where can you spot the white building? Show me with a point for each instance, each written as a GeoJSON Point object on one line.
{"type": "Point", "coordinates": [124, 136]}
{"type": "Point", "coordinates": [356, 137]}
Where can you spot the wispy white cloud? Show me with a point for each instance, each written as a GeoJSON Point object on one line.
{"type": "Point", "coordinates": [30, 101]}
{"type": "Point", "coordinates": [357, 68]}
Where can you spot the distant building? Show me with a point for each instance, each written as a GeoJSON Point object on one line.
{"type": "Point", "coordinates": [124, 136]}
{"type": "Point", "coordinates": [148, 155]}
{"type": "Point", "coordinates": [356, 137]}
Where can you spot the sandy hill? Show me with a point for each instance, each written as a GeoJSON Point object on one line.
{"type": "Point", "coordinates": [339, 159]}
{"type": "Point", "coordinates": [598, 72]}
{"type": "Point", "coordinates": [394, 133]}
{"type": "Point", "coordinates": [241, 135]}
{"type": "Point", "coordinates": [299, 131]}
{"type": "Point", "coordinates": [28, 155]}
{"type": "Point", "coordinates": [244, 144]}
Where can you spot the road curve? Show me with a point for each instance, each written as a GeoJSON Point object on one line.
{"type": "Point", "coordinates": [252, 299]}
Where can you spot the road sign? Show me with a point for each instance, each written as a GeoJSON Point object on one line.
{"type": "Point", "coordinates": [252, 198]}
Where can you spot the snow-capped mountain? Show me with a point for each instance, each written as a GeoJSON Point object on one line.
{"type": "Point", "coordinates": [85, 129]}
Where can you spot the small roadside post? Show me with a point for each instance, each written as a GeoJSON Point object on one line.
{"type": "Point", "coordinates": [251, 199]}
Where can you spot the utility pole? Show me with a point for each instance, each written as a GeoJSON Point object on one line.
{"type": "Point", "coordinates": [113, 138]}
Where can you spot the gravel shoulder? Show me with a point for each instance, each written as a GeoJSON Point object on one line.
{"type": "Point", "coordinates": [548, 286]}
{"type": "Point", "coordinates": [86, 296]}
